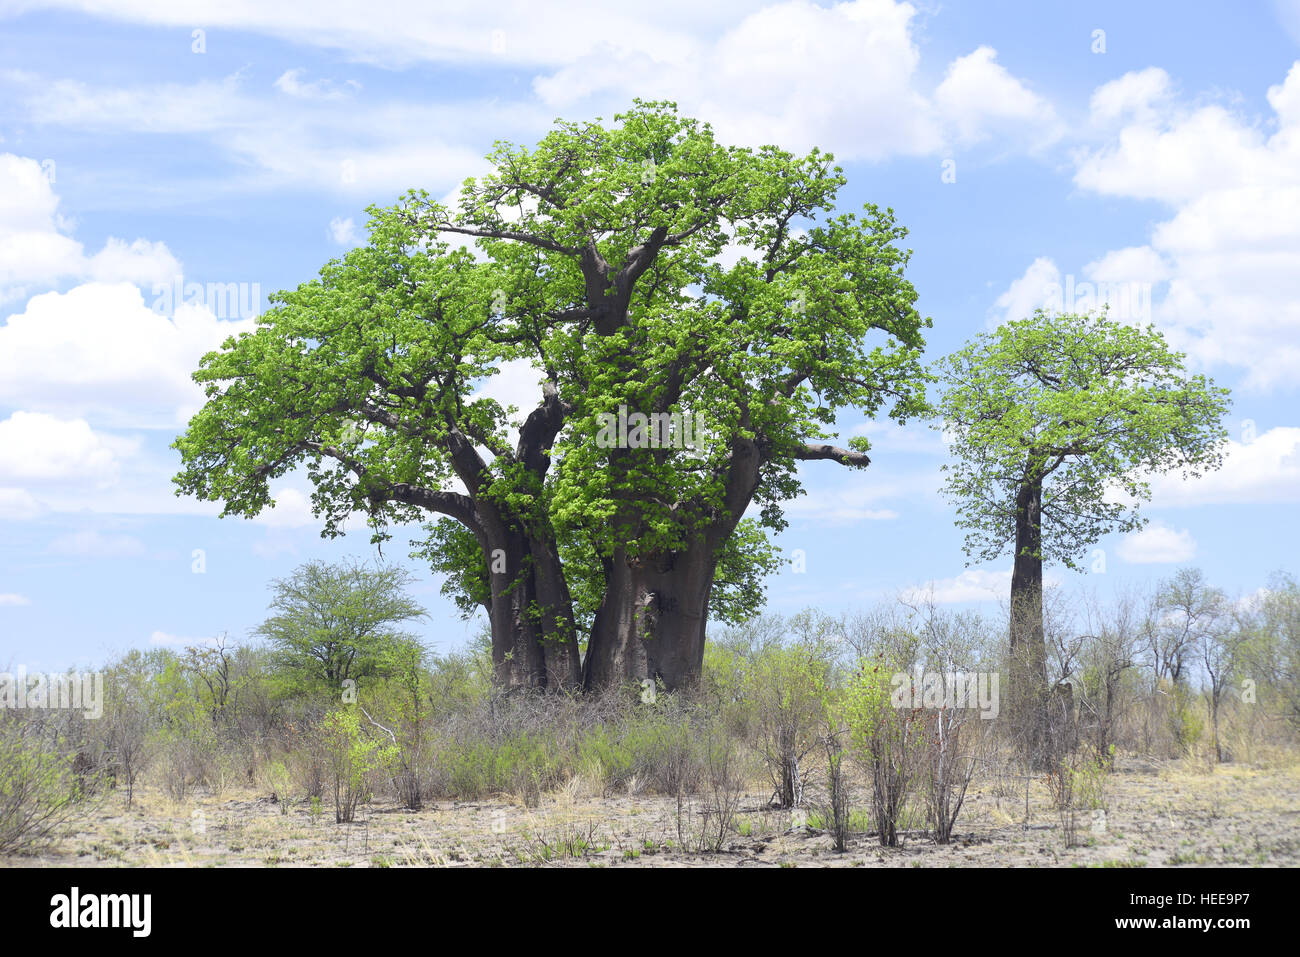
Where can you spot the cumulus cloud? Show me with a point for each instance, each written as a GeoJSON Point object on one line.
{"type": "Point", "coordinates": [343, 231]}
{"type": "Point", "coordinates": [1228, 259]}
{"type": "Point", "coordinates": [979, 98]}
{"type": "Point", "coordinates": [843, 76]}
{"type": "Point", "coordinates": [35, 447]}
{"type": "Point", "coordinates": [99, 352]}
{"type": "Point", "coordinates": [1031, 291]}
{"type": "Point", "coordinates": [1262, 471]}
{"type": "Point", "coordinates": [36, 251]}
{"type": "Point", "coordinates": [1157, 544]}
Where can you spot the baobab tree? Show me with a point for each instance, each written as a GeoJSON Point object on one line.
{"type": "Point", "coordinates": [641, 269]}
{"type": "Point", "coordinates": [1056, 423]}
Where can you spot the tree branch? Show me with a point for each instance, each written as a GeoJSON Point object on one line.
{"type": "Point", "coordinates": [811, 451]}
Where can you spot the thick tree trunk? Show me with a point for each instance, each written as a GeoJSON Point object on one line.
{"type": "Point", "coordinates": [1028, 685]}
{"type": "Point", "coordinates": [651, 622]}
{"type": "Point", "coordinates": [534, 641]}
{"type": "Point", "coordinates": [559, 639]}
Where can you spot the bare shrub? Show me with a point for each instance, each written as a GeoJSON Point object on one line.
{"type": "Point", "coordinates": [835, 810]}
{"type": "Point", "coordinates": [724, 780]}
{"type": "Point", "coordinates": [955, 741]}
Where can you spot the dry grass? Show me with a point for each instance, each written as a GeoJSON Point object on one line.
{"type": "Point", "coordinates": [1171, 814]}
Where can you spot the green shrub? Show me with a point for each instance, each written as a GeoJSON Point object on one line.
{"type": "Point", "coordinates": [887, 740]}
{"type": "Point", "coordinates": [356, 757]}
{"type": "Point", "coordinates": [38, 789]}
{"type": "Point", "coordinates": [525, 764]}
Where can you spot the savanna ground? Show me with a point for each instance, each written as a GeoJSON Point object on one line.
{"type": "Point", "coordinates": [1174, 813]}
{"type": "Point", "coordinates": [248, 756]}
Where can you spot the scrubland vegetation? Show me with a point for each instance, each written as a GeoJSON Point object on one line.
{"type": "Point", "coordinates": [794, 728]}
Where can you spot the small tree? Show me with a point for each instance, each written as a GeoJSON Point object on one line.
{"type": "Point", "coordinates": [129, 719]}
{"type": "Point", "coordinates": [1195, 627]}
{"type": "Point", "coordinates": [333, 623]}
{"type": "Point", "coordinates": [355, 758]}
{"type": "Point", "coordinates": [787, 685]}
{"type": "Point", "coordinates": [1048, 417]}
{"type": "Point", "coordinates": [407, 707]}
{"type": "Point", "coordinates": [1109, 656]}
{"type": "Point", "coordinates": [1219, 648]}
{"type": "Point", "coordinates": [1187, 606]}
{"type": "Point", "coordinates": [887, 740]}
{"type": "Point", "coordinates": [1271, 650]}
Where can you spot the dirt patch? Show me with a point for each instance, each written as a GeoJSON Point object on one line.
{"type": "Point", "coordinates": [1157, 816]}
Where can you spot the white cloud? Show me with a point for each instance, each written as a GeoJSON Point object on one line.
{"type": "Point", "coordinates": [18, 505]}
{"type": "Point", "coordinates": [140, 262]}
{"type": "Point", "coordinates": [36, 252]}
{"type": "Point", "coordinates": [97, 351]}
{"type": "Point", "coordinates": [1134, 95]}
{"type": "Point", "coordinates": [1265, 471]}
{"type": "Point", "coordinates": [842, 77]}
{"type": "Point", "coordinates": [516, 383]}
{"type": "Point", "coordinates": [1029, 292]}
{"type": "Point", "coordinates": [343, 231]}
{"type": "Point", "coordinates": [354, 146]}
{"type": "Point", "coordinates": [11, 599]}
{"type": "Point", "coordinates": [35, 447]}
{"type": "Point", "coordinates": [1157, 544]}
{"type": "Point", "coordinates": [1122, 280]}
{"type": "Point", "coordinates": [855, 503]}
{"type": "Point", "coordinates": [979, 99]}
{"type": "Point", "coordinates": [1230, 254]}
{"type": "Point", "coordinates": [401, 32]}
{"type": "Point", "coordinates": [974, 584]}
{"type": "Point", "coordinates": [292, 509]}
{"type": "Point", "coordinates": [291, 84]}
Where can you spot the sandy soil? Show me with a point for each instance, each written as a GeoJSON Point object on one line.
{"type": "Point", "coordinates": [1156, 816]}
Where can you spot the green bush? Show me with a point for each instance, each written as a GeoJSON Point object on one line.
{"type": "Point", "coordinates": [38, 789]}
{"type": "Point", "coordinates": [525, 764]}
{"type": "Point", "coordinates": [887, 740]}
{"type": "Point", "coordinates": [356, 757]}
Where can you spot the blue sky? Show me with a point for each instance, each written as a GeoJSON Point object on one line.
{"type": "Point", "coordinates": [239, 143]}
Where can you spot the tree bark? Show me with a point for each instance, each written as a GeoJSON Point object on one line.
{"type": "Point", "coordinates": [1030, 704]}
{"type": "Point", "coordinates": [652, 619]}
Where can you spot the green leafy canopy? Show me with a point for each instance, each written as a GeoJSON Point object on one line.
{"type": "Point", "coordinates": [642, 264]}
{"type": "Point", "coordinates": [1087, 406]}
